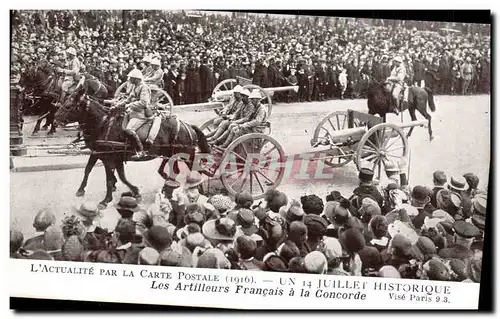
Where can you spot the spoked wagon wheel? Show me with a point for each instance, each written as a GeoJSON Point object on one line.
{"type": "Point", "coordinates": [160, 100]}
{"type": "Point", "coordinates": [224, 85]}
{"type": "Point", "coordinates": [208, 126]}
{"type": "Point", "coordinates": [252, 162]}
{"type": "Point", "coordinates": [266, 98]}
{"type": "Point", "coordinates": [382, 144]}
{"type": "Point", "coordinates": [337, 156]}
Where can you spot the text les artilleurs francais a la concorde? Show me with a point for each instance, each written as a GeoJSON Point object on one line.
{"type": "Point", "coordinates": [322, 287]}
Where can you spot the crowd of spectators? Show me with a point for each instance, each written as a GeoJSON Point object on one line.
{"type": "Point", "coordinates": [384, 229]}
{"type": "Point", "coordinates": [327, 58]}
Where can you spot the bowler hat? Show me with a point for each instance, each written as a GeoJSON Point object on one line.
{"type": "Point", "coordinates": [457, 184]}
{"type": "Point", "coordinates": [127, 203]}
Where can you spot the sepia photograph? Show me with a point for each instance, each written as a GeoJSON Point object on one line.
{"type": "Point", "coordinates": [249, 156]}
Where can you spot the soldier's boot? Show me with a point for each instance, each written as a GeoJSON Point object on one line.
{"type": "Point", "coordinates": [228, 140]}
{"type": "Point", "coordinates": [141, 154]}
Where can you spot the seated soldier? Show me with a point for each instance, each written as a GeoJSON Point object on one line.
{"type": "Point", "coordinates": [225, 116]}
{"type": "Point", "coordinates": [155, 80]}
{"type": "Point", "coordinates": [71, 74]}
{"type": "Point", "coordinates": [137, 107]}
{"type": "Point", "coordinates": [398, 74]}
{"type": "Point", "coordinates": [255, 119]}
{"type": "Point", "coordinates": [241, 116]}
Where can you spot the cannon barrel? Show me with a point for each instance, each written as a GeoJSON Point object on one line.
{"type": "Point", "coordinates": [206, 105]}
{"type": "Point", "coordinates": [221, 95]}
{"type": "Point", "coordinates": [413, 123]}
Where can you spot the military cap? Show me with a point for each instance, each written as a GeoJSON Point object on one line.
{"type": "Point", "coordinates": [465, 229]}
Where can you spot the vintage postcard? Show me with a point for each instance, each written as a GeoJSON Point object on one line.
{"type": "Point", "coordinates": [248, 160]}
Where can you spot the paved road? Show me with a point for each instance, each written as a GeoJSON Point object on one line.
{"type": "Point", "coordinates": [461, 144]}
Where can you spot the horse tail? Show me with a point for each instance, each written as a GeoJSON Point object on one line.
{"type": "Point", "coordinates": [202, 140]}
{"type": "Point", "coordinates": [432, 105]}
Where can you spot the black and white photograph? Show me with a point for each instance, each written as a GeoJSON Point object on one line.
{"type": "Point", "coordinates": [248, 157]}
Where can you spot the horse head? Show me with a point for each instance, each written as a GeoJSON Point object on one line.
{"type": "Point", "coordinates": [73, 107]}
{"type": "Point", "coordinates": [378, 102]}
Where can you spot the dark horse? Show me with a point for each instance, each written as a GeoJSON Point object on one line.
{"type": "Point", "coordinates": [103, 134]}
{"type": "Point", "coordinates": [43, 88]}
{"type": "Point", "coordinates": [379, 99]}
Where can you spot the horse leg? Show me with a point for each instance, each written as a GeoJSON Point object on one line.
{"type": "Point", "coordinates": [121, 174]}
{"type": "Point", "coordinates": [90, 165]}
{"type": "Point", "coordinates": [109, 185]}
{"type": "Point", "coordinates": [413, 116]}
{"type": "Point", "coordinates": [50, 121]}
{"type": "Point", "coordinates": [37, 127]}
{"type": "Point", "coordinates": [428, 117]}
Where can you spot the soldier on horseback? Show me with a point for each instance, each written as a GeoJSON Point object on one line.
{"type": "Point", "coordinates": [71, 74]}
{"type": "Point", "coordinates": [397, 77]}
{"type": "Point", "coordinates": [137, 107]}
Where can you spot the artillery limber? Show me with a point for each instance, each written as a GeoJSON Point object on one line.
{"type": "Point", "coordinates": [361, 137]}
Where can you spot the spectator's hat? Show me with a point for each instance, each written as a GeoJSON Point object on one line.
{"type": "Point", "coordinates": [330, 247]}
{"type": "Point", "coordinates": [149, 256]}
{"type": "Point", "coordinates": [379, 226]}
{"type": "Point", "coordinates": [369, 207]}
{"type": "Point", "coordinates": [246, 219]}
{"type": "Point", "coordinates": [479, 205]}
{"type": "Point", "coordinates": [420, 195]}
{"type": "Point", "coordinates": [388, 271]}
{"type": "Point", "coordinates": [474, 267]}
{"type": "Point", "coordinates": [458, 269]}
{"type": "Point", "coordinates": [193, 180]}
{"type": "Point", "coordinates": [213, 258]}
{"type": "Point", "coordinates": [353, 240]}
{"type": "Point", "coordinates": [87, 211]}
{"type": "Point", "coordinates": [457, 184]}
{"type": "Point", "coordinates": [71, 50]}
{"type": "Point", "coordinates": [436, 270]}
{"type": "Point", "coordinates": [316, 225]}
{"type": "Point", "coordinates": [315, 263]}
{"type": "Point", "coordinates": [401, 243]}
{"type": "Point", "coordinates": [423, 247]}
{"type": "Point", "coordinates": [158, 238]}
{"type": "Point", "coordinates": [472, 180]}
{"type": "Point", "coordinates": [221, 229]}
{"type": "Point", "coordinates": [274, 262]}
{"type": "Point", "coordinates": [176, 256]}
{"type": "Point", "coordinates": [365, 176]}
{"type": "Point", "coordinates": [465, 229]}
{"type": "Point", "coordinates": [146, 59]}
{"type": "Point", "coordinates": [40, 255]}
{"type": "Point", "coordinates": [129, 204]}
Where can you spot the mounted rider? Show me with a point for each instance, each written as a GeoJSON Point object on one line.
{"type": "Point", "coordinates": [226, 115]}
{"type": "Point", "coordinates": [147, 70]}
{"type": "Point", "coordinates": [397, 77]}
{"type": "Point", "coordinates": [155, 78]}
{"type": "Point", "coordinates": [71, 74]}
{"type": "Point", "coordinates": [137, 108]}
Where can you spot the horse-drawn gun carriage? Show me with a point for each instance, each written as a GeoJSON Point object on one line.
{"type": "Point", "coordinates": [363, 138]}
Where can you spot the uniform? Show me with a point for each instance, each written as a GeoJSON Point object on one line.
{"type": "Point", "coordinates": [140, 97]}
{"type": "Point", "coordinates": [397, 77]}
{"type": "Point", "coordinates": [72, 75]}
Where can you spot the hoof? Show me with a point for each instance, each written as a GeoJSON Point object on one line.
{"type": "Point", "coordinates": [431, 138]}
{"type": "Point", "coordinates": [102, 205]}
{"type": "Point", "coordinates": [50, 133]}
{"type": "Point", "coordinates": [80, 193]}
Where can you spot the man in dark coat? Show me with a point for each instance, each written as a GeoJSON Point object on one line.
{"type": "Point", "coordinates": [418, 72]}
{"type": "Point", "coordinates": [207, 79]}
{"type": "Point", "coordinates": [193, 83]}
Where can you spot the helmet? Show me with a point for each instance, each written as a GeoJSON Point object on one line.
{"type": "Point", "coordinates": [237, 89]}
{"type": "Point", "coordinates": [71, 51]}
{"type": "Point", "coordinates": [135, 73]}
{"type": "Point", "coordinates": [156, 62]}
{"type": "Point", "coordinates": [245, 92]}
{"type": "Point", "coordinates": [146, 59]}
{"type": "Point", "coordinates": [255, 95]}
{"type": "Point", "coordinates": [398, 59]}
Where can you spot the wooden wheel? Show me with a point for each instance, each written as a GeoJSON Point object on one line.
{"type": "Point", "coordinates": [338, 155]}
{"type": "Point", "coordinates": [252, 162]}
{"type": "Point", "coordinates": [382, 144]}
{"type": "Point", "coordinates": [224, 85]}
{"type": "Point", "coordinates": [208, 126]}
{"type": "Point", "coordinates": [266, 98]}
{"type": "Point", "coordinates": [160, 100]}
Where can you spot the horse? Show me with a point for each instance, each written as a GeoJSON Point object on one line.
{"type": "Point", "coordinates": [103, 134]}
{"type": "Point", "coordinates": [379, 100]}
{"type": "Point", "coordinates": [42, 84]}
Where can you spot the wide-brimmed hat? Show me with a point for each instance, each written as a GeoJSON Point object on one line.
{"type": "Point", "coordinates": [457, 184]}
{"type": "Point", "coordinates": [246, 219]}
{"type": "Point", "coordinates": [423, 247]}
{"type": "Point", "coordinates": [221, 229]}
{"type": "Point", "coordinates": [255, 94]}
{"type": "Point", "coordinates": [87, 211]}
{"type": "Point", "coordinates": [315, 263]}
{"type": "Point", "coordinates": [398, 59]}
{"type": "Point", "coordinates": [128, 203]}
{"type": "Point", "coordinates": [193, 180]}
